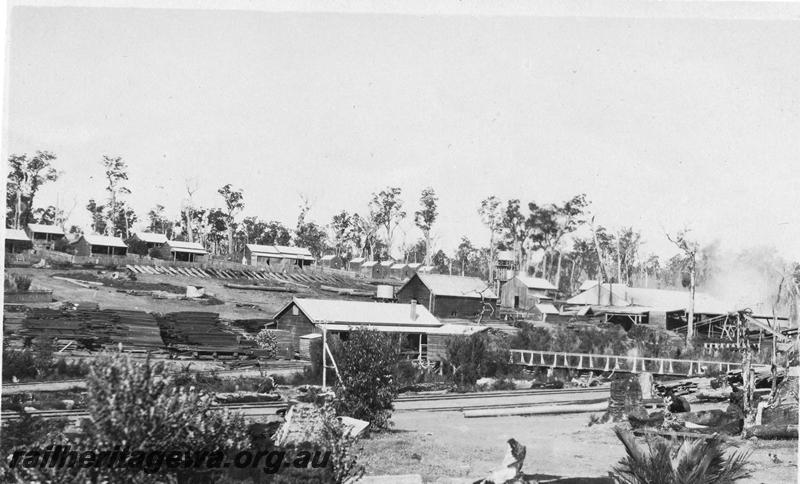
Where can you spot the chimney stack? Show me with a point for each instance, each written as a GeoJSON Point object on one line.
{"type": "Point", "coordinates": [413, 309]}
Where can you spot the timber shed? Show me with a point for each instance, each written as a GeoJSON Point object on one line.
{"type": "Point", "coordinates": [88, 245]}
{"type": "Point", "coordinates": [416, 325]}
{"type": "Point", "coordinates": [450, 296]}
{"type": "Point", "coordinates": [522, 292]}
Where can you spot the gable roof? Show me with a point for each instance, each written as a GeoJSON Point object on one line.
{"type": "Point", "coordinates": [358, 260]}
{"type": "Point", "coordinates": [399, 265]}
{"type": "Point", "coordinates": [371, 263]}
{"type": "Point", "coordinates": [363, 313]}
{"type": "Point", "coordinates": [505, 255]}
{"type": "Point", "coordinates": [456, 286]}
{"type": "Point", "coordinates": [387, 263]}
{"type": "Point", "coordinates": [327, 257]}
{"type": "Point", "coordinates": [182, 246]}
{"type": "Point", "coordinates": [536, 283]}
{"type": "Point", "coordinates": [414, 265]}
{"type": "Point", "coordinates": [103, 240]}
{"type": "Point", "coordinates": [17, 234]}
{"type": "Point", "coordinates": [587, 284]}
{"type": "Point", "coordinates": [281, 251]}
{"type": "Point", "coordinates": [46, 229]}
{"type": "Point", "coordinates": [151, 237]}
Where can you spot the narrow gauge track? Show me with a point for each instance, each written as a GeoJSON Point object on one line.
{"type": "Point", "coordinates": [252, 408]}
{"type": "Point", "coordinates": [501, 393]}
{"type": "Point", "coordinates": [459, 408]}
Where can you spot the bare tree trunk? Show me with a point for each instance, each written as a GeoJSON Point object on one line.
{"type": "Point", "coordinates": [558, 271]}
{"type": "Point", "coordinates": [491, 256]}
{"type": "Point", "coordinates": [601, 260]}
{"type": "Point", "coordinates": [619, 263]}
{"type": "Point", "coordinates": [690, 317]}
{"type": "Point", "coordinates": [428, 255]}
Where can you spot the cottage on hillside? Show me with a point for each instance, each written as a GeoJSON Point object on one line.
{"type": "Point", "coordinates": [152, 240]}
{"type": "Point", "coordinates": [44, 235]}
{"type": "Point", "coordinates": [523, 292]}
{"type": "Point", "coordinates": [277, 256]}
{"type": "Point", "coordinates": [89, 245]}
{"type": "Point", "coordinates": [180, 251]}
{"type": "Point", "coordinates": [17, 241]}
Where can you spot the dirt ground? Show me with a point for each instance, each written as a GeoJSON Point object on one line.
{"type": "Point", "coordinates": [446, 447]}
{"type": "Point", "coordinates": [267, 303]}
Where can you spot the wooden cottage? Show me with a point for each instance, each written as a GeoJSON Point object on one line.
{"type": "Point", "coordinates": [89, 245]}
{"type": "Point", "coordinates": [277, 256]}
{"type": "Point", "coordinates": [418, 327]}
{"type": "Point", "coordinates": [450, 296]}
{"type": "Point", "coordinates": [152, 240]}
{"type": "Point", "coordinates": [399, 271]}
{"type": "Point", "coordinates": [522, 292]}
{"type": "Point", "coordinates": [180, 251]}
{"type": "Point", "coordinates": [331, 261]}
{"type": "Point", "coordinates": [44, 235]}
{"type": "Point", "coordinates": [385, 270]}
{"type": "Point", "coordinates": [371, 269]}
{"type": "Point", "coordinates": [17, 241]}
{"type": "Point", "coordinates": [355, 264]}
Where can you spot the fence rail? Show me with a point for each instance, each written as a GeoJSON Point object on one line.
{"type": "Point", "coordinates": [632, 364]}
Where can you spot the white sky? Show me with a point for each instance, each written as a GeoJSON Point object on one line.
{"type": "Point", "coordinates": [666, 114]}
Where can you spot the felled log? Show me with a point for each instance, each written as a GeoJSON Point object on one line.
{"type": "Point", "coordinates": [260, 288]}
{"type": "Point", "coordinates": [772, 431]}
{"type": "Point", "coordinates": [246, 397]}
{"type": "Point", "coordinates": [538, 410]}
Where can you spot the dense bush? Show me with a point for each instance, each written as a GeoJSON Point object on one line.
{"type": "Point", "coordinates": [23, 282]}
{"type": "Point", "coordinates": [366, 363]}
{"type": "Point", "coordinates": [62, 245]}
{"type": "Point", "coordinates": [532, 338]}
{"type": "Point", "coordinates": [156, 254]}
{"type": "Point", "coordinates": [136, 246]}
{"type": "Point", "coordinates": [267, 341]}
{"type": "Point", "coordinates": [37, 363]}
{"type": "Point", "coordinates": [475, 356]}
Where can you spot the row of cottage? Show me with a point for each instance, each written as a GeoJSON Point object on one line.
{"type": "Point", "coordinates": [41, 235]}
{"type": "Point", "coordinates": [46, 236]}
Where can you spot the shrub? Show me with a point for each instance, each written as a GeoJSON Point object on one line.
{"type": "Point", "coordinates": [156, 254]}
{"type": "Point", "coordinates": [532, 338]}
{"type": "Point", "coordinates": [266, 340]}
{"type": "Point", "coordinates": [366, 363]}
{"type": "Point", "coordinates": [61, 245]}
{"type": "Point", "coordinates": [475, 356]}
{"type": "Point", "coordinates": [23, 282]}
{"type": "Point", "coordinates": [136, 246]}
{"type": "Point", "coordinates": [695, 461]}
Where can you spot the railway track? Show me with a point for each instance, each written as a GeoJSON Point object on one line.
{"type": "Point", "coordinates": [432, 403]}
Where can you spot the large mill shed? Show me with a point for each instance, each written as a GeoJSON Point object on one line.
{"type": "Point", "coordinates": [449, 296]}
{"type": "Point", "coordinates": [418, 327]}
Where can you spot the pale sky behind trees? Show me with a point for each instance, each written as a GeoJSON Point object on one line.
{"type": "Point", "coordinates": [663, 119]}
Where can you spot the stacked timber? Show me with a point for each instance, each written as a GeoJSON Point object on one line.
{"type": "Point", "coordinates": [252, 326]}
{"type": "Point", "coordinates": [92, 328]}
{"type": "Point", "coordinates": [200, 329]}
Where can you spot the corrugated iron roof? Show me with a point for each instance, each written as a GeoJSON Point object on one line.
{"type": "Point", "coordinates": [505, 255]}
{"type": "Point", "coordinates": [588, 284]}
{"type": "Point", "coordinates": [536, 283]}
{"type": "Point", "coordinates": [17, 234]}
{"type": "Point", "coordinates": [46, 229]}
{"type": "Point", "coordinates": [281, 251]}
{"type": "Point", "coordinates": [363, 313]}
{"type": "Point", "coordinates": [387, 263]}
{"type": "Point", "coordinates": [457, 286]}
{"type": "Point", "coordinates": [358, 260]}
{"type": "Point", "coordinates": [151, 237]}
{"type": "Point", "coordinates": [655, 299]}
{"type": "Point", "coordinates": [104, 240]}
{"type": "Point", "coordinates": [546, 308]}
{"type": "Point", "coordinates": [183, 246]}
{"type": "Point", "coordinates": [415, 265]}
{"type": "Point", "coordinates": [371, 263]}
{"type": "Point", "coordinates": [327, 257]}
{"type": "Point", "coordinates": [399, 265]}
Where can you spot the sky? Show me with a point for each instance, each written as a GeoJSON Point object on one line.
{"type": "Point", "coordinates": [666, 119]}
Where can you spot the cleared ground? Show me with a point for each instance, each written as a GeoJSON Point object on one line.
{"type": "Point", "coordinates": [445, 446]}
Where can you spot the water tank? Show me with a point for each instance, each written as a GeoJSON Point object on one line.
{"type": "Point", "coordinates": [385, 291]}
